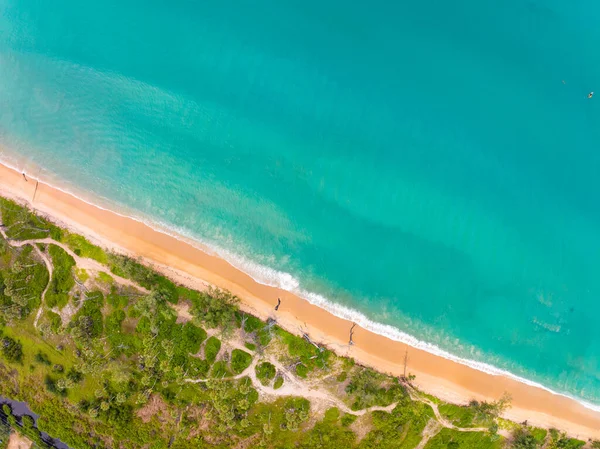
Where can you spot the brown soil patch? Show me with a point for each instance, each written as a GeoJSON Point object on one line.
{"type": "Point", "coordinates": [17, 441]}
{"type": "Point", "coordinates": [362, 426]}
{"type": "Point", "coordinates": [183, 312]}
{"type": "Point", "coordinates": [155, 407]}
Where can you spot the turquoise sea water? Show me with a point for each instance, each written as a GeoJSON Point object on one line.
{"type": "Point", "coordinates": [433, 165]}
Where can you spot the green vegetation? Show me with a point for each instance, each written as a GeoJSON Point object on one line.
{"type": "Point", "coordinates": [23, 278]}
{"type": "Point", "coordinates": [62, 278]}
{"type": "Point", "coordinates": [368, 388]}
{"type": "Point", "coordinates": [559, 440]}
{"type": "Point", "coordinates": [278, 383]}
{"type": "Point", "coordinates": [211, 349]}
{"type": "Point", "coordinates": [83, 248]}
{"type": "Point", "coordinates": [21, 224]}
{"type": "Point", "coordinates": [12, 350]}
{"type": "Point", "coordinates": [524, 439]}
{"type": "Point", "coordinates": [105, 277]}
{"type": "Point", "coordinates": [265, 372]}
{"type": "Point", "coordinates": [453, 439]}
{"type": "Point", "coordinates": [240, 360]}
{"type": "Point", "coordinates": [114, 365]}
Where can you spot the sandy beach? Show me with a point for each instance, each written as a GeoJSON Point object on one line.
{"type": "Point", "coordinates": [191, 266]}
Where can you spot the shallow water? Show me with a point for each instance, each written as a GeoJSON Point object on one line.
{"type": "Point", "coordinates": [433, 165]}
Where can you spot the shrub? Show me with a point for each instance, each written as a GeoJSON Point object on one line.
{"type": "Point", "coordinates": [215, 307]}
{"type": "Point", "coordinates": [83, 248]}
{"type": "Point", "coordinates": [27, 421]}
{"type": "Point", "coordinates": [301, 370]}
{"type": "Point", "coordinates": [252, 323]}
{"type": "Point", "coordinates": [54, 319]}
{"type": "Point", "coordinates": [332, 415]}
{"type": "Point", "coordinates": [115, 300]}
{"type": "Point", "coordinates": [12, 349]}
{"type": "Point", "coordinates": [198, 367]}
{"type": "Point", "coordinates": [81, 274]}
{"type": "Point", "coordinates": [342, 376]}
{"type": "Point", "coordinates": [265, 372]}
{"type": "Point", "coordinates": [211, 349]}
{"type": "Point", "coordinates": [74, 376]}
{"type": "Point", "coordinates": [42, 358]}
{"type": "Point", "coordinates": [278, 383]}
{"type": "Point", "coordinates": [129, 268]}
{"type": "Point", "coordinates": [191, 338]}
{"type": "Point", "coordinates": [523, 439]}
{"type": "Point", "coordinates": [348, 419]}
{"type": "Point", "coordinates": [240, 360]}
{"type": "Point", "coordinates": [369, 388]}
{"type": "Point", "coordinates": [220, 370]}
{"type": "Point", "coordinates": [88, 321]}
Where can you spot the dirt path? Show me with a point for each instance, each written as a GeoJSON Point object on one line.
{"type": "Point", "coordinates": [50, 269]}
{"type": "Point", "coordinates": [431, 429]}
{"type": "Point", "coordinates": [415, 396]}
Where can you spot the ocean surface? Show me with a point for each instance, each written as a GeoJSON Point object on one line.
{"type": "Point", "coordinates": [433, 166]}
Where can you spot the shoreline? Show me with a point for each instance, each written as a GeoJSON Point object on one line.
{"type": "Point", "coordinates": [183, 260]}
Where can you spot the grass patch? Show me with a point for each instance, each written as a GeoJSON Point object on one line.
{"type": "Point", "coordinates": [83, 248]}
{"type": "Point", "coordinates": [81, 274]}
{"type": "Point", "coordinates": [278, 383]}
{"type": "Point", "coordinates": [106, 278]}
{"type": "Point", "coordinates": [453, 439]}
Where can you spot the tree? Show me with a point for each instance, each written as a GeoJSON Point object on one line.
{"type": "Point", "coordinates": [484, 410]}
{"type": "Point", "coordinates": [216, 308]}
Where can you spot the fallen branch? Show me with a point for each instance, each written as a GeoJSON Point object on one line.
{"type": "Point", "coordinates": [351, 341]}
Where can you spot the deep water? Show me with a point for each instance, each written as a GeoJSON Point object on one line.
{"type": "Point", "coordinates": [431, 164]}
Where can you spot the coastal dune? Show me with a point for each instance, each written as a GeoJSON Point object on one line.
{"type": "Point", "coordinates": [190, 265]}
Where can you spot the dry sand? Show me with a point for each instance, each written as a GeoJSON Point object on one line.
{"type": "Point", "coordinates": [194, 267]}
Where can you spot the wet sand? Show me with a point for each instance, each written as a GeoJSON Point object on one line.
{"type": "Point", "coordinates": [196, 268]}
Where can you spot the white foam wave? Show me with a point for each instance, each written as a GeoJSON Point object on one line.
{"type": "Point", "coordinates": [274, 278]}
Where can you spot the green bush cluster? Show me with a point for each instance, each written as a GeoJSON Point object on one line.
{"type": "Point", "coordinates": [22, 224]}
{"type": "Point", "coordinates": [368, 388]}
{"type": "Point", "coordinates": [212, 348]}
{"type": "Point", "coordinates": [240, 360]}
{"type": "Point", "coordinates": [127, 267]}
{"type": "Point", "coordinates": [83, 248]}
{"type": "Point", "coordinates": [265, 372]}
{"type": "Point", "coordinates": [62, 277]}
{"type": "Point", "coordinates": [12, 350]}
{"type": "Point", "coordinates": [23, 278]}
